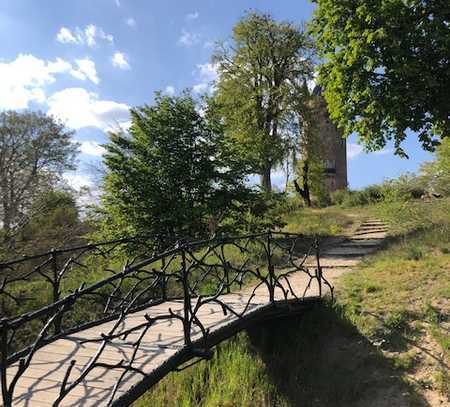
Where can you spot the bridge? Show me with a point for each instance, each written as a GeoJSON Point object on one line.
{"type": "Point", "coordinates": [106, 342]}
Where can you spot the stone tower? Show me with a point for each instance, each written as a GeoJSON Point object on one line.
{"type": "Point", "coordinates": [333, 148]}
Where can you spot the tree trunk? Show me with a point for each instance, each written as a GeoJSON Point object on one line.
{"type": "Point", "coordinates": [304, 193]}
{"type": "Point", "coordinates": [266, 182]}
{"type": "Point", "coordinates": [6, 222]}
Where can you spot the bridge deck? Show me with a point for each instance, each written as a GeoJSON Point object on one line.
{"type": "Point", "coordinates": [162, 347]}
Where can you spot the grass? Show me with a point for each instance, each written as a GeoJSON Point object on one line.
{"type": "Point", "coordinates": [365, 348]}
{"type": "Point", "coordinates": [317, 359]}
{"type": "Point", "coordinates": [330, 221]}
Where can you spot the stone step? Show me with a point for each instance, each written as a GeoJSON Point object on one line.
{"type": "Point", "coordinates": [346, 251]}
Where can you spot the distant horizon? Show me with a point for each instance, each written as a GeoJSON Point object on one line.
{"type": "Point", "coordinates": [89, 62]}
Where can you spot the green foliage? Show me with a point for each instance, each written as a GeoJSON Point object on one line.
{"type": "Point", "coordinates": [386, 68]}
{"type": "Point", "coordinates": [34, 151]}
{"type": "Point", "coordinates": [260, 76]}
{"type": "Point", "coordinates": [54, 220]}
{"type": "Point", "coordinates": [233, 363]}
{"type": "Point", "coordinates": [406, 187]}
{"type": "Point", "coordinates": [316, 359]}
{"type": "Point", "coordinates": [324, 222]}
{"type": "Point", "coordinates": [347, 198]}
{"type": "Point", "coordinates": [436, 174]}
{"type": "Point", "coordinates": [173, 175]}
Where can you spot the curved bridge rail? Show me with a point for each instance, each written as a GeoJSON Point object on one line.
{"type": "Point", "coordinates": [173, 306]}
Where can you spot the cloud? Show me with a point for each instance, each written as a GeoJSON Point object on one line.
{"type": "Point", "coordinates": [86, 70]}
{"type": "Point", "coordinates": [92, 148]}
{"type": "Point", "coordinates": [201, 88]}
{"type": "Point", "coordinates": [207, 75]}
{"type": "Point", "coordinates": [170, 90]}
{"type": "Point", "coordinates": [65, 36]}
{"type": "Point", "coordinates": [207, 72]}
{"type": "Point", "coordinates": [93, 33]}
{"type": "Point", "coordinates": [192, 16]}
{"type": "Point", "coordinates": [23, 80]}
{"type": "Point", "coordinates": [89, 36]}
{"type": "Point", "coordinates": [117, 3]}
{"type": "Point", "coordinates": [131, 22]}
{"type": "Point", "coordinates": [188, 39]}
{"type": "Point", "coordinates": [353, 150]}
{"type": "Point", "coordinates": [119, 60]}
{"type": "Point", "coordinates": [384, 151]}
{"type": "Point", "coordinates": [80, 108]}
{"type": "Point", "coordinates": [78, 181]}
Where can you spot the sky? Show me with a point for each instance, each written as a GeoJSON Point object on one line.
{"type": "Point", "coordinates": [88, 61]}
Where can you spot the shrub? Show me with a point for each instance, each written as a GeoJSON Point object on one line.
{"type": "Point", "coordinates": [338, 197]}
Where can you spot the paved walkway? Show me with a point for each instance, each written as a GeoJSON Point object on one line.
{"type": "Point", "coordinates": [163, 343]}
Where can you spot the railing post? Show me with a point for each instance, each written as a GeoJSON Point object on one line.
{"type": "Point", "coordinates": [227, 277]}
{"type": "Point", "coordinates": [6, 397]}
{"type": "Point", "coordinates": [186, 300]}
{"type": "Point", "coordinates": [270, 269]}
{"type": "Point", "coordinates": [56, 289]}
{"type": "Point", "coordinates": [319, 268]}
{"type": "Point", "coordinates": [164, 282]}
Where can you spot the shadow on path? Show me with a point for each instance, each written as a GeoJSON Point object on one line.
{"type": "Point", "coordinates": [318, 359]}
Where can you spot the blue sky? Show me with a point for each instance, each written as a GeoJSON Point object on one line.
{"type": "Point", "coordinates": [88, 61]}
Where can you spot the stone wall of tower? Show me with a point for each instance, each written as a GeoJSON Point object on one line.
{"type": "Point", "coordinates": [333, 148]}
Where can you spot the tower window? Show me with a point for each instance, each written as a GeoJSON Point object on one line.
{"type": "Point", "coordinates": [330, 166]}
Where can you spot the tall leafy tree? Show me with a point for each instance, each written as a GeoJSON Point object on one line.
{"type": "Point", "coordinates": [53, 220]}
{"type": "Point", "coordinates": [386, 68]}
{"type": "Point", "coordinates": [172, 175]}
{"type": "Point", "coordinates": [258, 76]}
{"type": "Point", "coordinates": [34, 151]}
{"type": "Point", "coordinates": [436, 174]}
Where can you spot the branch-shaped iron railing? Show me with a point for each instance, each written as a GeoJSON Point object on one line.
{"type": "Point", "coordinates": [193, 274]}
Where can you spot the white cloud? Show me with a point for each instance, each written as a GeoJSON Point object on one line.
{"type": "Point", "coordinates": [353, 150]}
{"type": "Point", "coordinates": [86, 70]}
{"type": "Point", "coordinates": [65, 36]}
{"type": "Point", "coordinates": [59, 66]}
{"type": "Point", "coordinates": [117, 3]}
{"type": "Point", "coordinates": [207, 75]}
{"type": "Point", "coordinates": [192, 16]}
{"type": "Point", "coordinates": [200, 88]}
{"type": "Point", "coordinates": [170, 90]}
{"type": "Point", "coordinates": [384, 151]}
{"type": "Point", "coordinates": [119, 60]}
{"type": "Point", "coordinates": [24, 79]}
{"type": "Point", "coordinates": [131, 22]}
{"type": "Point", "coordinates": [207, 72]}
{"type": "Point", "coordinates": [92, 148]}
{"type": "Point", "coordinates": [78, 181]}
{"type": "Point", "coordinates": [80, 108]}
{"type": "Point", "coordinates": [93, 33]}
{"type": "Point", "coordinates": [188, 39]}
{"type": "Point", "coordinates": [89, 36]}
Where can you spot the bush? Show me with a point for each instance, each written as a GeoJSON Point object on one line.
{"type": "Point", "coordinates": [370, 195]}
{"type": "Point", "coordinates": [402, 189]}
{"type": "Point", "coordinates": [337, 197]}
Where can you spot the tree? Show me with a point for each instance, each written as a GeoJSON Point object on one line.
{"type": "Point", "coordinates": [386, 68]}
{"type": "Point", "coordinates": [436, 174]}
{"type": "Point", "coordinates": [53, 221]}
{"type": "Point", "coordinates": [34, 151]}
{"type": "Point", "coordinates": [172, 176]}
{"type": "Point", "coordinates": [258, 77]}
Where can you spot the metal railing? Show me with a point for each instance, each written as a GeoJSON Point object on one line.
{"type": "Point", "coordinates": [194, 273]}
